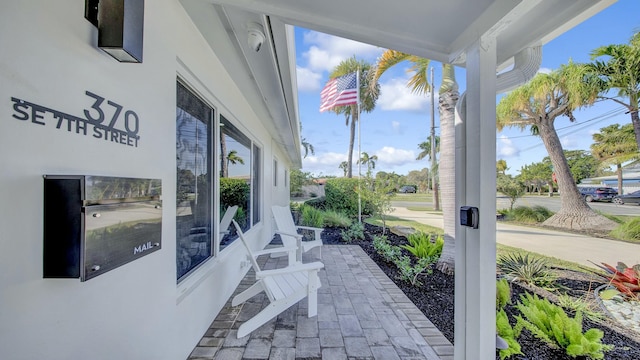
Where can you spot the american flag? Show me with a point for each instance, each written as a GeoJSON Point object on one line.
{"type": "Point", "coordinates": [340, 91]}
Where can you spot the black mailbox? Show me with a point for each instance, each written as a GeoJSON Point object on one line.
{"type": "Point", "coordinates": [93, 224]}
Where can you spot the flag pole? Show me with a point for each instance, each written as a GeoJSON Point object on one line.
{"type": "Point", "coordinates": [359, 150]}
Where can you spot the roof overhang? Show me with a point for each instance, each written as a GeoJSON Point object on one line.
{"type": "Point", "coordinates": [438, 30]}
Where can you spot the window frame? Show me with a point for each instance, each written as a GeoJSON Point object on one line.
{"type": "Point", "coordinates": [212, 193]}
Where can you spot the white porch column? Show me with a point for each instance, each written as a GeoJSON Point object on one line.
{"type": "Point", "coordinates": [475, 286]}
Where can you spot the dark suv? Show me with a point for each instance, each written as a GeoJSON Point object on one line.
{"type": "Point", "coordinates": [598, 193]}
{"type": "Point", "coordinates": [407, 189]}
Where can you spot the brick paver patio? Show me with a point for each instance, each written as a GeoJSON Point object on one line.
{"type": "Point", "coordinates": [362, 314]}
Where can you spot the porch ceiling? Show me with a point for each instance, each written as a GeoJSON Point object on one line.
{"type": "Point", "coordinates": [435, 29]}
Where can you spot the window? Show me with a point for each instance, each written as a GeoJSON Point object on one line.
{"type": "Point", "coordinates": [275, 172]}
{"type": "Point", "coordinates": [286, 178]}
{"type": "Point", "coordinates": [237, 177]}
{"type": "Point", "coordinates": [194, 181]}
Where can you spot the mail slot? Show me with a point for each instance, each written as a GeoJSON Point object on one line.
{"type": "Point", "coordinates": [94, 224]}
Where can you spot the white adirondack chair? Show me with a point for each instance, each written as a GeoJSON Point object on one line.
{"type": "Point", "coordinates": [284, 287]}
{"type": "Point", "coordinates": [226, 220]}
{"type": "Point", "coordinates": [288, 232]}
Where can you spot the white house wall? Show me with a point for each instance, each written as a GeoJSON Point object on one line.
{"type": "Point", "coordinates": [48, 56]}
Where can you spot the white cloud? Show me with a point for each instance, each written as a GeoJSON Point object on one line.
{"type": "Point", "coordinates": [327, 51]}
{"type": "Point", "coordinates": [544, 71]}
{"type": "Point", "coordinates": [325, 163]}
{"type": "Point", "coordinates": [395, 95]}
{"type": "Point", "coordinates": [390, 156]}
{"type": "Point", "coordinates": [307, 79]}
{"type": "Point", "coordinates": [506, 147]}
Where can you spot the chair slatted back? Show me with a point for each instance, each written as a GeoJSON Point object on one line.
{"type": "Point", "coordinates": [284, 221]}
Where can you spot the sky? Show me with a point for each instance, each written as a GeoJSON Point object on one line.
{"type": "Point", "coordinates": [401, 120]}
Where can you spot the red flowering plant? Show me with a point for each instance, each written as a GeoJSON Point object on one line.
{"type": "Point", "coordinates": [624, 278]}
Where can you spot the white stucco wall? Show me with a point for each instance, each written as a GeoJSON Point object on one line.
{"type": "Point", "coordinates": [48, 56]}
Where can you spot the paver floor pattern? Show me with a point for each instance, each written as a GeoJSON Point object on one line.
{"type": "Point", "coordinates": [362, 314]}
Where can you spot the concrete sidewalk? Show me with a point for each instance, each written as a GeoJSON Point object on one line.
{"type": "Point", "coordinates": [566, 246]}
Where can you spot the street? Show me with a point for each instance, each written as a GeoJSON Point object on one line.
{"type": "Point", "coordinates": [551, 203]}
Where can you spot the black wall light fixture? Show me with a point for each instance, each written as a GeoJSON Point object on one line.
{"type": "Point", "coordinates": [120, 26]}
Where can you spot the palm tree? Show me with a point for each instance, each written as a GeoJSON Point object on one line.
{"type": "Point", "coordinates": [369, 92]}
{"type": "Point", "coordinates": [501, 166]}
{"type": "Point", "coordinates": [369, 161]}
{"type": "Point", "coordinates": [344, 165]}
{"type": "Point", "coordinates": [308, 148]}
{"type": "Point", "coordinates": [538, 103]}
{"type": "Point", "coordinates": [614, 145]}
{"type": "Point", "coordinates": [448, 97]}
{"type": "Point", "coordinates": [621, 72]}
{"type": "Point", "coordinates": [233, 158]}
{"type": "Point", "coordinates": [425, 146]}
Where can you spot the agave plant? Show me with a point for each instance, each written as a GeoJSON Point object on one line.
{"type": "Point", "coordinates": [529, 269]}
{"type": "Point", "coordinates": [624, 278]}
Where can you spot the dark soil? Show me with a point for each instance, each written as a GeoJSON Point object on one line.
{"type": "Point", "coordinates": [435, 298]}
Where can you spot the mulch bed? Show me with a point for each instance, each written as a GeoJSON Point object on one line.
{"type": "Point", "coordinates": [435, 298]}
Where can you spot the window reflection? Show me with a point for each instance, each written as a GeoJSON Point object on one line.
{"type": "Point", "coordinates": [235, 178]}
{"type": "Point", "coordinates": [194, 181]}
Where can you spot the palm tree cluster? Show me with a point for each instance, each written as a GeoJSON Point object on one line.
{"type": "Point", "coordinates": [620, 70]}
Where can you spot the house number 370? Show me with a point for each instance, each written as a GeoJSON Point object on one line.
{"type": "Point", "coordinates": [96, 114]}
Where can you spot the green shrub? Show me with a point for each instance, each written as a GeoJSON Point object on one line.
{"type": "Point", "coordinates": [336, 219]}
{"type": "Point", "coordinates": [409, 272]}
{"type": "Point", "coordinates": [353, 232]}
{"type": "Point", "coordinates": [508, 334]}
{"type": "Point", "coordinates": [551, 324]}
{"type": "Point", "coordinates": [341, 195]}
{"type": "Point", "coordinates": [529, 215]}
{"type": "Point", "coordinates": [503, 293]}
{"type": "Point", "coordinates": [503, 328]}
{"type": "Point", "coordinates": [310, 216]}
{"type": "Point", "coordinates": [529, 269]}
{"type": "Point", "coordinates": [389, 252]}
{"type": "Point", "coordinates": [629, 230]}
{"type": "Point", "coordinates": [318, 203]}
{"type": "Point", "coordinates": [233, 192]}
{"type": "Point", "coordinates": [421, 246]}
{"type": "Point", "coordinates": [242, 218]}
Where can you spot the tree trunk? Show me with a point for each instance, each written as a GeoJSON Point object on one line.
{"type": "Point", "coordinates": [224, 170]}
{"type": "Point", "coordinates": [635, 120]}
{"type": "Point", "coordinates": [574, 212]}
{"type": "Point", "coordinates": [354, 118]}
{"type": "Point", "coordinates": [619, 172]}
{"type": "Point", "coordinates": [447, 172]}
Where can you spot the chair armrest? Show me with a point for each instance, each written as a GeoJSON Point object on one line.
{"type": "Point", "coordinates": [295, 235]}
{"type": "Point", "coordinates": [317, 232]}
{"type": "Point", "coordinates": [314, 266]}
{"type": "Point", "coordinates": [274, 250]}
{"type": "Point", "coordinates": [309, 228]}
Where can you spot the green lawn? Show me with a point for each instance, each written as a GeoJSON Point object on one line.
{"type": "Point", "coordinates": [394, 221]}
{"type": "Point", "coordinates": [420, 197]}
